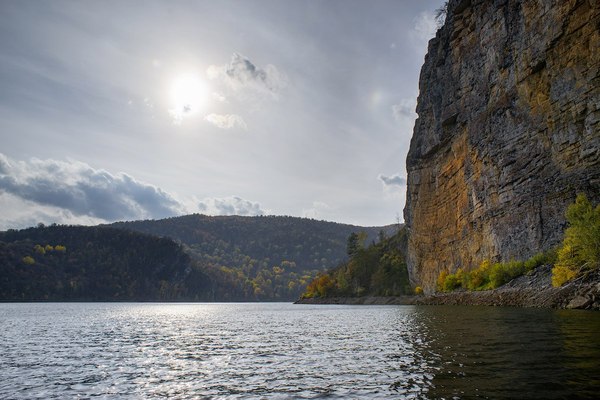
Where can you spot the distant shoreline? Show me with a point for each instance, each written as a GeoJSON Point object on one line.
{"type": "Point", "coordinates": [365, 300]}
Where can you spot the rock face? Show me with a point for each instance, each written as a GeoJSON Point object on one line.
{"type": "Point", "coordinates": [508, 132]}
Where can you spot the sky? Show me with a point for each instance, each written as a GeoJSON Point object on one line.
{"type": "Point", "coordinates": [126, 110]}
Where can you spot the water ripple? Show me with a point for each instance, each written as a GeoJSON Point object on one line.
{"type": "Point", "coordinates": [282, 351]}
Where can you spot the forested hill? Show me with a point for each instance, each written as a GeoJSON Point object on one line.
{"type": "Point", "coordinates": [96, 264]}
{"type": "Point", "coordinates": [190, 258]}
{"type": "Point", "coordinates": [259, 258]}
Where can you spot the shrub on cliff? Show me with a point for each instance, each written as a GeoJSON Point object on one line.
{"type": "Point", "coordinates": [490, 276]}
{"type": "Point", "coordinates": [581, 246]}
{"type": "Point", "coordinates": [479, 278]}
{"type": "Point", "coordinates": [502, 273]}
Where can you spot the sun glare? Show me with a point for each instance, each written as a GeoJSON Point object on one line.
{"type": "Point", "coordinates": [188, 94]}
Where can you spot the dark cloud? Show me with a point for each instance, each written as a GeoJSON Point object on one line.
{"type": "Point", "coordinates": [394, 180]}
{"type": "Point", "coordinates": [230, 206]}
{"type": "Point", "coordinates": [4, 164]}
{"type": "Point", "coordinates": [83, 190]}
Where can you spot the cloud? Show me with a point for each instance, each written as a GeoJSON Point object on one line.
{"type": "Point", "coordinates": [219, 97]}
{"type": "Point", "coordinates": [4, 164]}
{"type": "Point", "coordinates": [177, 115]}
{"type": "Point", "coordinates": [241, 73]}
{"type": "Point", "coordinates": [425, 26]}
{"type": "Point", "coordinates": [80, 190]}
{"type": "Point", "coordinates": [226, 121]}
{"type": "Point", "coordinates": [405, 109]}
{"type": "Point", "coordinates": [229, 206]}
{"type": "Point", "coordinates": [18, 213]}
{"type": "Point", "coordinates": [317, 211]}
{"type": "Point", "coordinates": [394, 180]}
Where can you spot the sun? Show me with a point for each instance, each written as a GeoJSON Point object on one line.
{"type": "Point", "coordinates": [188, 94]}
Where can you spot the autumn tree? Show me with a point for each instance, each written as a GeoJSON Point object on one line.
{"type": "Point", "coordinates": [580, 249]}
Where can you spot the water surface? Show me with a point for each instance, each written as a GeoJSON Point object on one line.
{"type": "Point", "coordinates": [132, 350]}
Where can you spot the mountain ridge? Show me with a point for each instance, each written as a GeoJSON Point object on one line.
{"type": "Point", "coordinates": [227, 258]}
{"type": "Point", "coordinates": [261, 257]}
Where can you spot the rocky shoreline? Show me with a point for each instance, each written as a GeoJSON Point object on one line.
{"type": "Point", "coordinates": [532, 290]}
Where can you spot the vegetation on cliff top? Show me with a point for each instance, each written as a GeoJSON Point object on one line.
{"type": "Point", "coordinates": [376, 270]}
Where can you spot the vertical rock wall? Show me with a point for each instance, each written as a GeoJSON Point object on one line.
{"type": "Point", "coordinates": [508, 132]}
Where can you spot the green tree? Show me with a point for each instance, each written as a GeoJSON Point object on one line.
{"type": "Point", "coordinates": [352, 244]}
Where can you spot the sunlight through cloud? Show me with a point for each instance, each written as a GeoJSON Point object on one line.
{"type": "Point", "coordinates": [188, 94]}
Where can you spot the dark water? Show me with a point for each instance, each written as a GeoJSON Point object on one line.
{"type": "Point", "coordinates": [286, 351]}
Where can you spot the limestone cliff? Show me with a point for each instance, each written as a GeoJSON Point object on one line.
{"type": "Point", "coordinates": [508, 132]}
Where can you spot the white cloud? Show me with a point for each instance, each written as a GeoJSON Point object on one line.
{"type": "Point", "coordinates": [177, 115]}
{"type": "Point", "coordinates": [405, 109]}
{"type": "Point", "coordinates": [226, 121]}
{"type": "Point", "coordinates": [393, 180]}
{"type": "Point", "coordinates": [219, 97]}
{"type": "Point", "coordinates": [424, 28]}
{"type": "Point", "coordinates": [241, 73]}
{"type": "Point", "coordinates": [78, 190]}
{"type": "Point", "coordinates": [232, 205]}
{"type": "Point", "coordinates": [318, 210]}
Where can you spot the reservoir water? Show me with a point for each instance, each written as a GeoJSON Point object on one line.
{"type": "Point", "coordinates": [285, 351]}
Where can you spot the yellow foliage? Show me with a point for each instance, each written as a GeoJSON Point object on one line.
{"type": "Point", "coordinates": [418, 290]}
{"type": "Point", "coordinates": [277, 270]}
{"type": "Point", "coordinates": [60, 248]}
{"type": "Point", "coordinates": [28, 260]}
{"type": "Point", "coordinates": [581, 245]}
{"type": "Point", "coordinates": [39, 249]}
{"type": "Point", "coordinates": [48, 248]}
{"type": "Point", "coordinates": [562, 275]}
{"type": "Point", "coordinates": [478, 278]}
{"type": "Point", "coordinates": [324, 284]}
{"type": "Point", "coordinates": [441, 280]}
